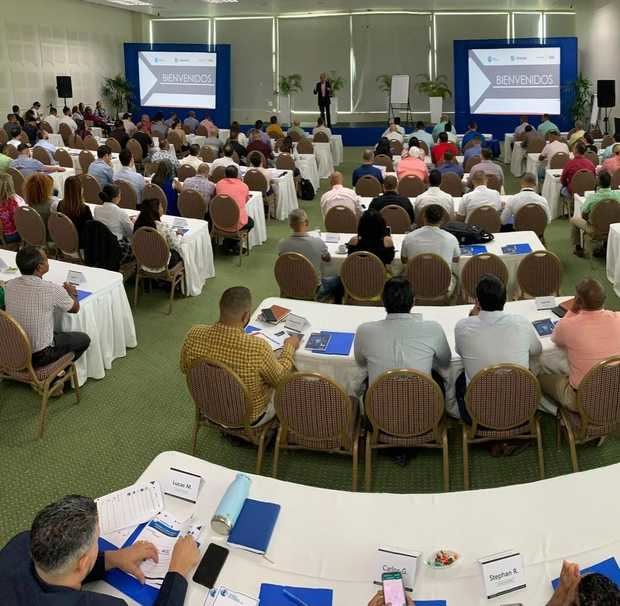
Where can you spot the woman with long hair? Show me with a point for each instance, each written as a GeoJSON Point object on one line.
{"type": "Point", "coordinates": [9, 203]}
{"type": "Point", "coordinates": [73, 206]}
{"type": "Point", "coordinates": [38, 193]}
{"type": "Point", "coordinates": [383, 147]}
{"type": "Point", "coordinates": [372, 236]}
{"type": "Point", "coordinates": [165, 177]}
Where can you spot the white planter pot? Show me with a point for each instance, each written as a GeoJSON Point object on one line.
{"type": "Point", "coordinates": [436, 104]}
{"type": "Point", "coordinates": [285, 110]}
{"type": "Point", "coordinates": [334, 110]}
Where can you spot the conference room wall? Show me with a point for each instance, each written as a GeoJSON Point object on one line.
{"type": "Point", "coordinates": [189, 31]}
{"type": "Point", "coordinates": [41, 39]}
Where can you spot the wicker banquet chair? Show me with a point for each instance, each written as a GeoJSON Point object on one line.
{"type": "Point", "coordinates": [487, 218]}
{"type": "Point", "coordinates": [91, 188]}
{"type": "Point", "coordinates": [223, 402]}
{"type": "Point", "coordinates": [603, 215]}
{"type": "Point", "coordinates": [192, 204]}
{"type": "Point", "coordinates": [598, 408]}
{"type": "Point", "coordinates": [331, 424]}
{"type": "Point", "coordinates": [129, 196]}
{"type": "Point", "coordinates": [558, 160]}
{"type": "Point", "coordinates": [471, 162]}
{"type": "Point", "coordinates": [304, 146]}
{"type": "Point", "coordinates": [452, 184]}
{"type": "Point", "coordinates": [430, 278]}
{"type": "Point", "coordinates": [411, 186]}
{"type": "Point", "coordinates": [186, 171]}
{"type": "Point", "coordinates": [363, 277]}
{"type": "Point", "coordinates": [475, 268]}
{"type": "Point", "coordinates": [539, 274]}
{"type": "Point", "coordinates": [493, 182]}
{"type": "Point", "coordinates": [30, 226]}
{"type": "Point", "coordinates": [535, 145]}
{"type": "Point", "coordinates": [296, 277]}
{"type": "Point", "coordinates": [76, 142]}
{"type": "Point", "coordinates": [285, 161]}
{"type": "Point", "coordinates": [42, 155]}
{"type": "Point", "coordinates": [65, 237]}
{"type": "Point", "coordinates": [405, 409]}
{"type": "Point", "coordinates": [615, 180]}
{"type": "Point", "coordinates": [152, 190]}
{"type": "Point", "coordinates": [341, 220]}
{"type": "Point", "coordinates": [532, 217]}
{"type": "Point", "coordinates": [218, 173]}
{"type": "Point", "coordinates": [320, 138]}
{"type": "Point", "coordinates": [18, 179]}
{"type": "Point", "coordinates": [207, 154]}
{"type": "Point", "coordinates": [136, 150]}
{"type": "Point", "coordinates": [502, 401]}
{"type": "Point", "coordinates": [152, 255]}
{"type": "Point", "coordinates": [396, 218]}
{"type": "Point", "coordinates": [384, 160]}
{"type": "Point", "coordinates": [16, 365]}
{"type": "Point", "coordinates": [396, 147]}
{"type": "Point", "coordinates": [90, 143]}
{"type": "Point", "coordinates": [63, 158]}
{"type": "Point", "coordinates": [368, 186]}
{"type": "Point", "coordinates": [256, 181]}
{"type": "Point", "coordinates": [224, 214]}
{"type": "Point", "coordinates": [114, 145]}
{"type": "Point", "coordinates": [86, 159]}
{"type": "Point", "coordinates": [65, 132]}
{"type": "Point", "coordinates": [583, 181]}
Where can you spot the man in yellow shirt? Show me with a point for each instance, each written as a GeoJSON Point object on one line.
{"type": "Point", "coordinates": [251, 358]}
{"type": "Point", "coordinates": [274, 130]}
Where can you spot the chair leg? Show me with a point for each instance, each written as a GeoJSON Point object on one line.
{"type": "Point", "coordinates": [465, 460]}
{"type": "Point", "coordinates": [355, 462]}
{"type": "Point", "coordinates": [261, 452]}
{"type": "Point", "coordinates": [541, 454]}
{"type": "Point", "coordinates": [75, 382]}
{"type": "Point", "coordinates": [572, 447]}
{"type": "Point", "coordinates": [558, 431]}
{"type": "Point", "coordinates": [368, 465]}
{"type": "Point", "coordinates": [43, 415]}
{"type": "Point", "coordinates": [171, 298]}
{"type": "Point", "coordinates": [195, 436]}
{"type": "Point", "coordinates": [276, 453]}
{"type": "Point", "coordinates": [136, 289]}
{"type": "Point", "coordinates": [446, 462]}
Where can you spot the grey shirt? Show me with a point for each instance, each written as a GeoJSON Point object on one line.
{"type": "Point", "coordinates": [401, 341]}
{"type": "Point", "coordinates": [311, 247]}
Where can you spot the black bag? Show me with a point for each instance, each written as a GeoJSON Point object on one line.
{"type": "Point", "coordinates": [306, 190]}
{"type": "Point", "coordinates": [468, 234]}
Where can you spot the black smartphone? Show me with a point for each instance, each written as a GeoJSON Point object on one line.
{"type": "Point", "coordinates": [209, 568]}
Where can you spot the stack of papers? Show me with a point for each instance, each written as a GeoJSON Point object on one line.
{"type": "Point", "coordinates": [274, 337]}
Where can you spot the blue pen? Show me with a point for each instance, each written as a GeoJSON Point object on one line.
{"type": "Point", "coordinates": [294, 598]}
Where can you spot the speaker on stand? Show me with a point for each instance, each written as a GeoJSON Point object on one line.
{"type": "Point", "coordinates": [606, 96]}
{"type": "Point", "coordinates": [64, 88]}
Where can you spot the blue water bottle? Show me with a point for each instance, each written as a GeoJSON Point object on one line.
{"type": "Point", "coordinates": [230, 506]}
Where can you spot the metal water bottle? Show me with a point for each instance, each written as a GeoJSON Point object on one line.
{"type": "Point", "coordinates": [230, 506]}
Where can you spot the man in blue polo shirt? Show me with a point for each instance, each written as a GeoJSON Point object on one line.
{"type": "Point", "coordinates": [101, 168]}
{"type": "Point", "coordinates": [367, 168]}
{"type": "Point", "coordinates": [27, 165]}
{"type": "Point", "coordinates": [472, 133]}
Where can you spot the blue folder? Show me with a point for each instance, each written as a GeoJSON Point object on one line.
{"type": "Point", "coordinates": [273, 595]}
{"type": "Point", "coordinates": [339, 344]}
{"type": "Point", "coordinates": [430, 602]}
{"type": "Point", "coordinates": [608, 568]}
{"type": "Point", "coordinates": [471, 250]}
{"type": "Point", "coordinates": [82, 294]}
{"type": "Point", "coordinates": [254, 526]}
{"type": "Point", "coordinates": [516, 249]}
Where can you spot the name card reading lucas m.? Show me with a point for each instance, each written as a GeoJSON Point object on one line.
{"type": "Point", "coordinates": [182, 484]}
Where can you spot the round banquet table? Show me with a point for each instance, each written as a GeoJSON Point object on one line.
{"type": "Point", "coordinates": [613, 257]}
{"type": "Point", "coordinates": [324, 159]}
{"type": "Point", "coordinates": [551, 191]}
{"type": "Point", "coordinates": [329, 538]}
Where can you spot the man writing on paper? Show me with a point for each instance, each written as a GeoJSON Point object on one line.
{"type": "Point", "coordinates": [48, 565]}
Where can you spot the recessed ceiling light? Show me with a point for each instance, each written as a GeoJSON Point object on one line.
{"type": "Point", "coordinates": [131, 2]}
{"type": "Point", "coordinates": [221, 1]}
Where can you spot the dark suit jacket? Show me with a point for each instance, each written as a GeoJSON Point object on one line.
{"type": "Point", "coordinates": [392, 197]}
{"type": "Point", "coordinates": [21, 586]}
{"type": "Point", "coordinates": [323, 100]}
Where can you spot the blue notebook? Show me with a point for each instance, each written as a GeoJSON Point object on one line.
{"type": "Point", "coordinates": [274, 595]}
{"type": "Point", "coordinates": [82, 294]}
{"type": "Point", "coordinates": [430, 602]}
{"type": "Point", "coordinates": [516, 249]}
{"type": "Point", "coordinates": [608, 568]}
{"type": "Point", "coordinates": [254, 526]}
{"type": "Point", "coordinates": [471, 250]}
{"type": "Point", "coordinates": [339, 343]}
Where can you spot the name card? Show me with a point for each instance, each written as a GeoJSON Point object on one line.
{"type": "Point", "coordinates": [502, 573]}
{"type": "Point", "coordinates": [391, 559]}
{"type": "Point", "coordinates": [545, 303]}
{"type": "Point", "coordinates": [75, 277]}
{"type": "Point", "coordinates": [296, 323]}
{"type": "Point", "coordinates": [182, 485]}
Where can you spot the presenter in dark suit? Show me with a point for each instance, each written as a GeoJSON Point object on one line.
{"type": "Point", "coordinates": [323, 90]}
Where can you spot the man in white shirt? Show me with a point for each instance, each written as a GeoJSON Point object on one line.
{"type": "Point", "coordinates": [491, 336]}
{"type": "Point", "coordinates": [339, 195]}
{"type": "Point", "coordinates": [523, 122]}
{"type": "Point", "coordinates": [394, 122]}
{"type": "Point", "coordinates": [43, 141]}
{"type": "Point", "coordinates": [36, 110]}
{"type": "Point", "coordinates": [421, 135]}
{"type": "Point", "coordinates": [434, 195]}
{"type": "Point", "coordinates": [115, 219]}
{"type": "Point", "coordinates": [393, 134]}
{"type": "Point", "coordinates": [226, 159]}
{"type": "Point", "coordinates": [489, 167]}
{"type": "Point", "coordinates": [321, 128]}
{"type": "Point", "coordinates": [128, 174]}
{"type": "Point", "coordinates": [53, 119]}
{"type": "Point", "coordinates": [193, 159]}
{"type": "Point", "coordinates": [480, 196]}
{"type": "Point", "coordinates": [554, 146]}
{"type": "Point", "coordinates": [527, 195]}
{"type": "Point", "coordinates": [129, 126]}
{"type": "Point", "coordinates": [68, 120]}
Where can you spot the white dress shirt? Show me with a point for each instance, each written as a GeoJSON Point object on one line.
{"type": "Point", "coordinates": [434, 195]}
{"type": "Point", "coordinates": [194, 161]}
{"type": "Point", "coordinates": [552, 148]}
{"type": "Point", "coordinates": [225, 161]}
{"type": "Point", "coordinates": [70, 122]}
{"type": "Point", "coordinates": [431, 239]}
{"type": "Point", "coordinates": [395, 136]}
{"type": "Point", "coordinates": [481, 196]}
{"type": "Point", "coordinates": [53, 121]}
{"type": "Point", "coordinates": [399, 128]}
{"type": "Point", "coordinates": [515, 203]}
{"type": "Point", "coordinates": [339, 195]}
{"type": "Point", "coordinates": [115, 219]}
{"type": "Point", "coordinates": [495, 337]}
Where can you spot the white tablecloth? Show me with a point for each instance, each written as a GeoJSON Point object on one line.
{"type": "Point", "coordinates": [551, 191]}
{"type": "Point", "coordinates": [308, 169]}
{"type": "Point", "coordinates": [324, 159]}
{"type": "Point", "coordinates": [60, 178]}
{"type": "Point", "coordinates": [256, 211]}
{"type": "Point", "coordinates": [613, 257]}
{"type": "Point", "coordinates": [96, 131]}
{"type": "Point", "coordinates": [55, 139]}
{"type": "Point", "coordinates": [105, 315]}
{"type": "Point", "coordinates": [508, 141]}
{"type": "Point", "coordinates": [337, 149]}
{"type": "Point", "coordinates": [223, 134]}
{"type": "Point", "coordinates": [329, 538]}
{"type": "Point", "coordinates": [286, 194]}
{"type": "Point", "coordinates": [532, 163]}
{"type": "Point", "coordinates": [517, 160]}
{"type": "Point", "coordinates": [197, 139]}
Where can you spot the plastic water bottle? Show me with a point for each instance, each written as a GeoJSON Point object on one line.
{"type": "Point", "coordinates": [230, 506]}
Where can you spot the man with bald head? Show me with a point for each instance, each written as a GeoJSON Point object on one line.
{"type": "Point", "coordinates": [367, 168]}
{"type": "Point", "coordinates": [339, 195]}
{"type": "Point", "coordinates": [323, 91]}
{"type": "Point", "coordinates": [589, 334]}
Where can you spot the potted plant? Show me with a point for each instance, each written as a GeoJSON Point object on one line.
{"type": "Point", "coordinates": [385, 85]}
{"type": "Point", "coordinates": [287, 87]}
{"type": "Point", "coordinates": [337, 83]}
{"type": "Point", "coordinates": [117, 92]}
{"type": "Point", "coordinates": [437, 90]}
{"type": "Point", "coordinates": [581, 91]}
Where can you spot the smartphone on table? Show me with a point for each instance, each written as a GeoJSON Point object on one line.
{"type": "Point", "coordinates": [393, 588]}
{"type": "Point", "coordinates": [210, 566]}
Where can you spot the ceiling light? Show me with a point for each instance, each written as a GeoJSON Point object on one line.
{"type": "Point", "coordinates": [221, 1]}
{"type": "Point", "coordinates": [131, 2]}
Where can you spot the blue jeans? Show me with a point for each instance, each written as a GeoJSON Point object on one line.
{"type": "Point", "coordinates": [12, 237]}
{"type": "Point", "coordinates": [331, 286]}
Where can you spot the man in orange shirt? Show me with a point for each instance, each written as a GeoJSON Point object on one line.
{"type": "Point", "coordinates": [589, 334]}
{"type": "Point", "coordinates": [442, 147]}
{"type": "Point", "coordinates": [413, 165]}
{"type": "Point", "coordinates": [234, 187]}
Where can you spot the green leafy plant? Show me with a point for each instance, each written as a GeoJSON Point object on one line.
{"type": "Point", "coordinates": [581, 89]}
{"type": "Point", "coordinates": [437, 87]}
{"type": "Point", "coordinates": [117, 92]}
{"type": "Point", "coordinates": [336, 81]}
{"type": "Point", "coordinates": [289, 85]}
{"type": "Point", "coordinates": [385, 83]}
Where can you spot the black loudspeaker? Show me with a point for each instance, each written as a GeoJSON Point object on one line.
{"type": "Point", "coordinates": [606, 93]}
{"type": "Point", "coordinates": [63, 86]}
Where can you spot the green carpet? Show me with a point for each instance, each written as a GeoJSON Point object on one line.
{"type": "Point", "coordinates": [142, 408]}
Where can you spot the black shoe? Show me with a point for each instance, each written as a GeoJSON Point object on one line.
{"type": "Point", "coordinates": [578, 251]}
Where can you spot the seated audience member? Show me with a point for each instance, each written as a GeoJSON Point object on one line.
{"type": "Point", "coordinates": [165, 177]}
{"type": "Point", "coordinates": [128, 125]}
{"type": "Point", "coordinates": [158, 127]}
{"type": "Point", "coordinates": [339, 195]}
{"type": "Point", "coordinates": [471, 134]}
{"type": "Point", "coordinates": [191, 122]}
{"type": "Point", "coordinates": [413, 164]}
{"type": "Point", "coordinates": [314, 249]}
{"type": "Point", "coordinates": [227, 159]}
{"type": "Point", "coordinates": [101, 168]}
{"type": "Point", "coordinates": [403, 339]}
{"type": "Point", "coordinates": [14, 134]}
{"type": "Point", "coordinates": [212, 129]}
{"type": "Point", "coordinates": [36, 111]}
{"type": "Point", "coordinates": [100, 112]}
{"type": "Point", "coordinates": [144, 139]}
{"type": "Point", "coordinates": [9, 203]}
{"type": "Point", "coordinates": [115, 218]}
{"type": "Point", "coordinates": [372, 236]}
{"type": "Point", "coordinates": [491, 336]}
{"type": "Point", "coordinates": [128, 173]}
{"type": "Point", "coordinates": [256, 163]}
{"type": "Point", "coordinates": [440, 127]}
{"type": "Point", "coordinates": [214, 142]}
{"type": "Point", "coordinates": [546, 125]}
{"type": "Point", "coordinates": [321, 128]}
{"type": "Point", "coordinates": [422, 135]}
{"type": "Point", "coordinates": [612, 164]}
{"type": "Point", "coordinates": [27, 165]}
{"type": "Point", "coordinates": [296, 128]}
{"type": "Point", "coordinates": [201, 183]}
{"type": "Point", "coordinates": [30, 127]}
{"type": "Point", "coordinates": [588, 334]}
{"type": "Point", "coordinates": [394, 134]}
{"type": "Point", "coordinates": [90, 116]}
{"type": "Point", "coordinates": [430, 238]}
{"type": "Point", "coordinates": [383, 147]}
{"type": "Point", "coordinates": [579, 162]}
{"type": "Point", "coordinates": [119, 133]}
{"type": "Point", "coordinates": [529, 134]}
{"type": "Point", "coordinates": [442, 146]}
{"type": "Point", "coordinates": [32, 301]}
{"type": "Point", "coordinates": [170, 121]}
{"type": "Point", "coordinates": [554, 145]}
{"type": "Point", "coordinates": [165, 153]}
{"type": "Point", "coordinates": [49, 564]}
{"type": "Point", "coordinates": [390, 196]}
{"type": "Point", "coordinates": [234, 187]}
{"type": "Point", "coordinates": [481, 195]}
{"type": "Point", "coordinates": [523, 122]}
{"type": "Point", "coordinates": [274, 130]}
{"type": "Point", "coordinates": [396, 123]}
{"type": "Point", "coordinates": [192, 159]}
{"type": "Point", "coordinates": [588, 141]}
{"type": "Point", "coordinates": [489, 167]}
{"type": "Point", "coordinates": [450, 164]}
{"type": "Point", "coordinates": [260, 128]}
{"type": "Point", "coordinates": [608, 152]}
{"type": "Point", "coordinates": [367, 168]}
{"type": "Point", "coordinates": [435, 195]}
{"type": "Point", "coordinates": [44, 143]}
{"type": "Point", "coordinates": [236, 144]}
{"type": "Point", "coordinates": [603, 192]}
{"type": "Point", "coordinates": [250, 357]}
{"type": "Point", "coordinates": [39, 194]}
{"type": "Point", "coordinates": [527, 195]}
{"type": "Point", "coordinates": [72, 205]}
{"type": "Point", "coordinates": [67, 119]}
{"type": "Point", "coordinates": [15, 110]}
{"type": "Point", "coordinates": [257, 144]}
{"type": "Point", "coordinates": [145, 121]}
{"type": "Point", "coordinates": [577, 135]}
{"type": "Point", "coordinates": [11, 122]}
{"type": "Point", "coordinates": [473, 150]}
{"type": "Point", "coordinates": [451, 132]}
{"type": "Point", "coordinates": [5, 161]}
{"type": "Point", "coordinates": [178, 129]}
{"type": "Point", "coordinates": [592, 589]}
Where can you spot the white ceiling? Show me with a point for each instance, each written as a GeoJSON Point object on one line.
{"type": "Point", "coordinates": [197, 8]}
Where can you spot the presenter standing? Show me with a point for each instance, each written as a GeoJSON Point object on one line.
{"type": "Point", "coordinates": [323, 90]}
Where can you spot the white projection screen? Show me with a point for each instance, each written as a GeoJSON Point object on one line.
{"type": "Point", "coordinates": [514, 80]}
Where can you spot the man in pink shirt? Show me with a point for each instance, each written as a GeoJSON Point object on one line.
{"type": "Point", "coordinates": [212, 130]}
{"type": "Point", "coordinates": [413, 165]}
{"type": "Point", "coordinates": [589, 334]}
{"type": "Point", "coordinates": [339, 195]}
{"type": "Point", "coordinates": [611, 165]}
{"type": "Point", "coordinates": [234, 187]}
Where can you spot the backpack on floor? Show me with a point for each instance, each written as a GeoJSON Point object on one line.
{"type": "Point", "coordinates": [306, 190]}
{"type": "Point", "coordinates": [468, 234]}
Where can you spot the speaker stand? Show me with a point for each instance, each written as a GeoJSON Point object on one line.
{"type": "Point", "coordinates": [607, 111]}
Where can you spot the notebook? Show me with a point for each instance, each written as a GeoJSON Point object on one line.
{"type": "Point", "coordinates": [544, 327]}
{"type": "Point", "coordinates": [274, 314]}
{"type": "Point", "coordinates": [254, 526]}
{"type": "Point", "coordinates": [608, 568]}
{"type": "Point", "coordinates": [339, 343]}
{"type": "Point", "coordinates": [318, 341]}
{"type": "Point", "coordinates": [284, 595]}
{"type": "Point", "coordinates": [471, 250]}
{"type": "Point", "coordinates": [516, 249]}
